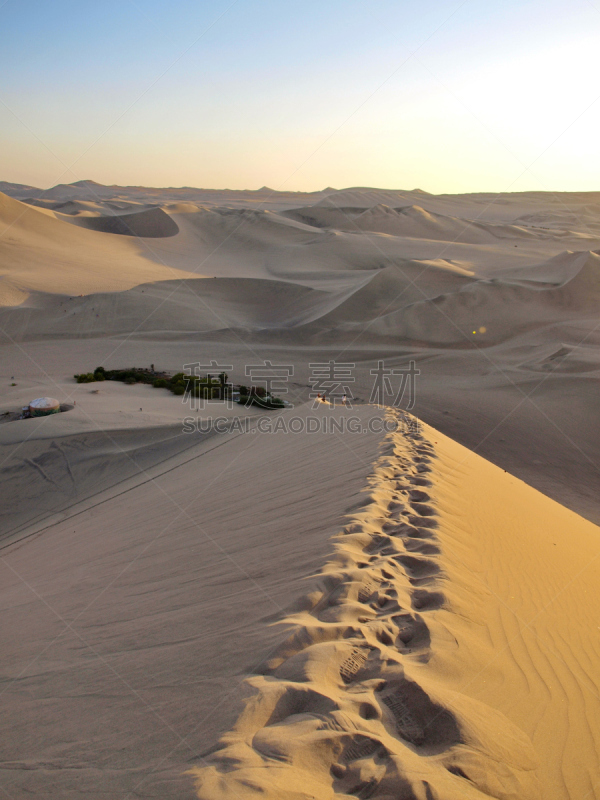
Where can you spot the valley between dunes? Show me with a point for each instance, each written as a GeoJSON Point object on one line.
{"type": "Point", "coordinates": [407, 613]}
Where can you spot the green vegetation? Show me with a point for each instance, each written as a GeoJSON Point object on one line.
{"type": "Point", "coordinates": [257, 396]}
{"type": "Point", "coordinates": [206, 387]}
{"type": "Point", "coordinates": [99, 374]}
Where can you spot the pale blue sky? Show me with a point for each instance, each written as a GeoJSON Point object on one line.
{"type": "Point", "coordinates": [446, 96]}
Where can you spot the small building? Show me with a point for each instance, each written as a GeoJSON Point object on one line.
{"type": "Point", "coordinates": [42, 406]}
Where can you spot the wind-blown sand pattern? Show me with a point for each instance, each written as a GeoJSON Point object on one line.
{"type": "Point", "coordinates": [366, 698]}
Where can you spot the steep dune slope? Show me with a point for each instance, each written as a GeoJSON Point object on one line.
{"type": "Point", "coordinates": [170, 308]}
{"type": "Point", "coordinates": [41, 252]}
{"type": "Point", "coordinates": [166, 588]}
{"type": "Point", "coordinates": [445, 654]}
{"type": "Point", "coordinates": [251, 243]}
{"type": "Point", "coordinates": [151, 223]}
{"type": "Point", "coordinates": [395, 287]}
{"type": "Point", "coordinates": [498, 309]}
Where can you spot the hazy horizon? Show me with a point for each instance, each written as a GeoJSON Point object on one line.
{"type": "Point", "coordinates": [458, 97]}
{"type": "Point", "coordinates": [315, 190]}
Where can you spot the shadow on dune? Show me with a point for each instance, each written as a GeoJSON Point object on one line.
{"type": "Point", "coordinates": [153, 223]}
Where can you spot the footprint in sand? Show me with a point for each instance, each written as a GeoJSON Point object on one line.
{"type": "Point", "coordinates": [392, 527]}
{"type": "Point", "coordinates": [353, 663]}
{"type": "Point", "coordinates": [382, 545]}
{"type": "Point", "coordinates": [360, 768]}
{"type": "Point", "coordinates": [422, 468]}
{"type": "Point", "coordinates": [417, 719]}
{"type": "Point", "coordinates": [423, 509]}
{"type": "Point", "coordinates": [385, 602]}
{"type": "Point", "coordinates": [394, 505]}
{"type": "Point", "coordinates": [421, 522]}
{"type": "Point", "coordinates": [411, 631]}
{"type": "Point", "coordinates": [419, 570]}
{"type": "Point", "coordinates": [300, 700]}
{"type": "Point", "coordinates": [349, 783]}
{"type": "Point", "coordinates": [425, 450]}
{"type": "Point", "coordinates": [417, 481]}
{"type": "Point", "coordinates": [406, 724]}
{"type": "Point", "coordinates": [422, 600]}
{"type": "Point", "coordinates": [366, 591]}
{"type": "Point", "coordinates": [424, 548]}
{"type": "Point", "coordinates": [418, 496]}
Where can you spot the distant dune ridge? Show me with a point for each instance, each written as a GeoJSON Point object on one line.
{"type": "Point", "coordinates": [152, 223]}
{"type": "Point", "coordinates": [354, 259]}
{"type": "Point", "coordinates": [361, 270]}
{"type": "Point", "coordinates": [310, 245]}
{"type": "Point", "coordinates": [447, 649]}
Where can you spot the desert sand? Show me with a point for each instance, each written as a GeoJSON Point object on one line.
{"type": "Point", "coordinates": [432, 661]}
{"type": "Point", "coordinates": [179, 621]}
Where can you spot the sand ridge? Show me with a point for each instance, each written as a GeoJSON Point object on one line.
{"type": "Point", "coordinates": [430, 664]}
{"type": "Point", "coordinates": [347, 707]}
{"type": "Point", "coordinates": [167, 585]}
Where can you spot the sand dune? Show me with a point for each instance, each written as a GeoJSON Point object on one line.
{"type": "Point", "coordinates": [586, 217]}
{"type": "Point", "coordinates": [371, 294]}
{"type": "Point", "coordinates": [447, 649]}
{"type": "Point", "coordinates": [409, 671]}
{"type": "Point", "coordinates": [153, 223]}
{"type": "Point", "coordinates": [556, 270]}
{"type": "Point", "coordinates": [83, 207]}
{"type": "Point", "coordinates": [566, 358]}
{"type": "Point", "coordinates": [67, 469]}
{"type": "Point", "coordinates": [86, 207]}
{"type": "Point", "coordinates": [247, 242]}
{"type": "Point", "coordinates": [168, 577]}
{"type": "Point", "coordinates": [415, 222]}
{"type": "Point", "coordinates": [169, 308]}
{"type": "Point", "coordinates": [392, 288]}
{"type": "Point", "coordinates": [42, 253]}
{"type": "Point", "coordinates": [365, 197]}
{"type": "Point", "coordinates": [224, 303]}
{"type": "Point", "coordinates": [424, 657]}
{"type": "Point", "coordinates": [498, 310]}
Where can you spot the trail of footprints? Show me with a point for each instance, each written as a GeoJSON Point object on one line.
{"type": "Point", "coordinates": [404, 552]}
{"type": "Point", "coordinates": [372, 617]}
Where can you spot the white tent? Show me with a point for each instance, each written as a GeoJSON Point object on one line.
{"type": "Point", "coordinates": [43, 406]}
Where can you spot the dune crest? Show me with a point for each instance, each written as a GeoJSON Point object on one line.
{"type": "Point", "coordinates": [501, 308]}
{"type": "Point", "coordinates": [349, 706]}
{"type": "Point", "coordinates": [152, 223]}
{"type": "Point", "coordinates": [43, 251]}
